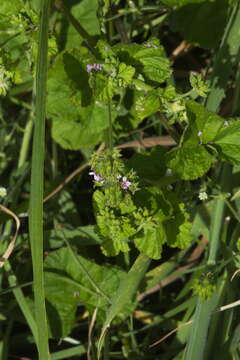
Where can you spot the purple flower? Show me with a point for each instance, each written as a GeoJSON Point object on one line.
{"type": "Point", "coordinates": [199, 133]}
{"type": "Point", "coordinates": [89, 68]}
{"type": "Point", "coordinates": [96, 67]}
{"type": "Point", "coordinates": [96, 177]}
{"type": "Point", "coordinates": [125, 183]}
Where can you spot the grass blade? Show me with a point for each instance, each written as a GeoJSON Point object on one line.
{"type": "Point", "coordinates": [65, 354]}
{"type": "Point", "coordinates": [37, 176]}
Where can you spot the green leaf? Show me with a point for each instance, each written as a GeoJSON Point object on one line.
{"type": "Point", "coordinates": [85, 131]}
{"type": "Point", "coordinates": [10, 8]}
{"type": "Point", "coordinates": [189, 163]}
{"type": "Point", "coordinates": [125, 74]}
{"type": "Point", "coordinates": [178, 228]}
{"type": "Point", "coordinates": [125, 293]}
{"type": "Point", "coordinates": [66, 285]}
{"type": "Point", "coordinates": [81, 236]}
{"type": "Point", "coordinates": [228, 142]}
{"type": "Point", "coordinates": [201, 119]}
{"type": "Point", "coordinates": [148, 59]}
{"type": "Point", "coordinates": [157, 202]}
{"type": "Point", "coordinates": [146, 104]}
{"type": "Point", "coordinates": [77, 122]}
{"type": "Point", "coordinates": [86, 13]}
{"type": "Point", "coordinates": [150, 241]}
{"type": "Point", "coordinates": [202, 23]}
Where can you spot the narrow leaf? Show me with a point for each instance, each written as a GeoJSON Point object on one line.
{"type": "Point", "coordinates": [125, 293]}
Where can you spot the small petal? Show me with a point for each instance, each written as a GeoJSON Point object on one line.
{"type": "Point", "coordinates": [199, 133]}
{"type": "Point", "coordinates": [226, 123]}
{"type": "Point", "coordinates": [96, 177]}
{"type": "Point", "coordinates": [125, 185]}
{"type": "Point", "coordinates": [89, 68]}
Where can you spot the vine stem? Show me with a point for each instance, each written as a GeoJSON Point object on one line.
{"type": "Point", "coordinates": [37, 179]}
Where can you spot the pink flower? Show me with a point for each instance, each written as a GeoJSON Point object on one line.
{"type": "Point", "coordinates": [96, 177]}
{"type": "Point", "coordinates": [125, 183]}
{"type": "Point", "coordinates": [199, 133]}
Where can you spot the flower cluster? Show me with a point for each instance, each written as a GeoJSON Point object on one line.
{"type": "Point", "coordinates": [97, 67]}
{"type": "Point", "coordinates": [124, 182]}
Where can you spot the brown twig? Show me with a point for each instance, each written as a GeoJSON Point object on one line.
{"type": "Point", "coordinates": [65, 182]}
{"type": "Point", "coordinates": [181, 49]}
{"type": "Point", "coordinates": [90, 330]}
{"type": "Point", "coordinates": [10, 247]}
{"type": "Point", "coordinates": [170, 333]}
{"type": "Point", "coordinates": [149, 142]}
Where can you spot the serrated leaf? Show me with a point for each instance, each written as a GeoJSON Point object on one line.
{"type": "Point", "coordinates": [189, 163]}
{"type": "Point", "coordinates": [148, 59]}
{"type": "Point", "coordinates": [125, 74]}
{"type": "Point", "coordinates": [228, 142]}
{"type": "Point", "coordinates": [146, 104]}
{"type": "Point", "coordinates": [150, 241]}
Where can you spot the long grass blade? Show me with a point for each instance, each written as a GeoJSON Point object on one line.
{"type": "Point", "coordinates": [37, 176]}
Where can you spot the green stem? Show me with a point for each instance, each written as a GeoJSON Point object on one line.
{"type": "Point", "coordinates": [37, 177]}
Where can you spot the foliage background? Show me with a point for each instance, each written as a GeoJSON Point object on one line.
{"type": "Point", "coordinates": [178, 131]}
